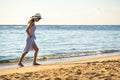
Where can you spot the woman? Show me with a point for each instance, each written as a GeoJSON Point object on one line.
{"type": "Point", "coordinates": [30, 41]}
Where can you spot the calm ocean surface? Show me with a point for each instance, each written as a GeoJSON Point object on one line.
{"type": "Point", "coordinates": [54, 39]}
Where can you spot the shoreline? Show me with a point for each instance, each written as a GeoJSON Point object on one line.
{"type": "Point", "coordinates": [28, 62]}
{"type": "Point", "coordinates": [106, 67]}
{"type": "Point", "coordinates": [63, 55]}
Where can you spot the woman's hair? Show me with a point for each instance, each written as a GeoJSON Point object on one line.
{"type": "Point", "coordinates": [31, 20]}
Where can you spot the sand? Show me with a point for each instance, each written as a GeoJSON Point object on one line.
{"type": "Point", "coordinates": [102, 68]}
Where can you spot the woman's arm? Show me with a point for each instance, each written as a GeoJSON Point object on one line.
{"type": "Point", "coordinates": [28, 27]}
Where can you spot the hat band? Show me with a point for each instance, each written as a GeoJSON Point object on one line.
{"type": "Point", "coordinates": [35, 17]}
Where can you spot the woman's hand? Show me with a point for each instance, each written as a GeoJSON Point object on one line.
{"type": "Point", "coordinates": [29, 36]}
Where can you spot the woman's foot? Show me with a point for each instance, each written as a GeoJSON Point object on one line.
{"type": "Point", "coordinates": [36, 64]}
{"type": "Point", "coordinates": [20, 64]}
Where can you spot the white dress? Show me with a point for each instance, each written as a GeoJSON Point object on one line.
{"type": "Point", "coordinates": [30, 41]}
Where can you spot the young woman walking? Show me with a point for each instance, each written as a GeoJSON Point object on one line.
{"type": "Point", "coordinates": [30, 40]}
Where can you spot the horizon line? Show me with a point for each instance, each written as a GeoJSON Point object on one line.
{"type": "Point", "coordinates": [56, 24]}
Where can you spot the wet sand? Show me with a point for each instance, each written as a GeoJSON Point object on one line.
{"type": "Point", "coordinates": [102, 68]}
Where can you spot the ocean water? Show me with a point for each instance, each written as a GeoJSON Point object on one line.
{"type": "Point", "coordinates": [60, 39]}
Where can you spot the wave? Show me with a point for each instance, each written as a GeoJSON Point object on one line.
{"type": "Point", "coordinates": [63, 55]}
{"type": "Point", "coordinates": [76, 54]}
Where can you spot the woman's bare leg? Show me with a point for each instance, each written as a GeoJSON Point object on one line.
{"type": "Point", "coordinates": [35, 55]}
{"type": "Point", "coordinates": [21, 58]}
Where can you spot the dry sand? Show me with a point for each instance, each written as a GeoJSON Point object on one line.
{"type": "Point", "coordinates": [102, 68]}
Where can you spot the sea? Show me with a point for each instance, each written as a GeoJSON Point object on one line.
{"type": "Point", "coordinates": [60, 41]}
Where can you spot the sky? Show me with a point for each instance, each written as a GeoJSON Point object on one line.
{"type": "Point", "coordinates": [61, 12]}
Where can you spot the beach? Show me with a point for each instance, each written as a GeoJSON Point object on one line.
{"type": "Point", "coordinates": [100, 68]}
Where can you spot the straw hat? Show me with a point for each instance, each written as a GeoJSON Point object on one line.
{"type": "Point", "coordinates": [37, 15]}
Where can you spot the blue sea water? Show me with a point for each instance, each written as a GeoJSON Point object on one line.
{"type": "Point", "coordinates": [54, 39]}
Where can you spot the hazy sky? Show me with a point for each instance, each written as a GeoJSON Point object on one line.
{"type": "Point", "coordinates": [74, 12]}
